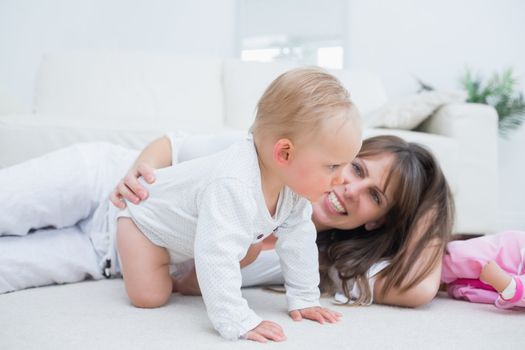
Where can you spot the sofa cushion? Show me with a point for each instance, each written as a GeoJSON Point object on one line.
{"type": "Point", "coordinates": [366, 89]}
{"type": "Point", "coordinates": [407, 113]}
{"type": "Point", "coordinates": [131, 86]}
{"type": "Point", "coordinates": [245, 82]}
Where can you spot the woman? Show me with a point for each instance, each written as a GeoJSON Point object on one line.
{"type": "Point", "coordinates": [391, 218]}
{"type": "Point", "coordinates": [394, 206]}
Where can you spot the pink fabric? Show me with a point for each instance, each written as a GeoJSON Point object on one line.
{"type": "Point", "coordinates": [476, 283]}
{"type": "Point", "coordinates": [470, 293]}
{"type": "Point", "coordinates": [465, 259]}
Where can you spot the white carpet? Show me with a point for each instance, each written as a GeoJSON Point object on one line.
{"type": "Point", "coordinates": [97, 315]}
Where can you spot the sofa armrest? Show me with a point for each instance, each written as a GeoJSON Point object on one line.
{"type": "Point", "coordinates": [474, 127]}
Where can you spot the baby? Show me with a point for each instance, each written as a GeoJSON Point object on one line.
{"type": "Point", "coordinates": [213, 209]}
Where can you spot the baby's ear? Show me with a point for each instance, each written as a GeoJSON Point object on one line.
{"type": "Point", "coordinates": [283, 151]}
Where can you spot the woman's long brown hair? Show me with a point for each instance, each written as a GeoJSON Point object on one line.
{"type": "Point", "coordinates": [423, 205]}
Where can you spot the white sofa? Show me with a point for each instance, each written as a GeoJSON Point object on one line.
{"type": "Point", "coordinates": [131, 97]}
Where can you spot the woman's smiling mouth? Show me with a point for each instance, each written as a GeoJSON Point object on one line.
{"type": "Point", "coordinates": [335, 204]}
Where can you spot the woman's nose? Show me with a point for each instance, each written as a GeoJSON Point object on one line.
{"type": "Point", "coordinates": [353, 189]}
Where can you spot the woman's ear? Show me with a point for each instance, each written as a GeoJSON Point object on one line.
{"type": "Point", "coordinates": [372, 225]}
{"type": "Point", "coordinates": [283, 151]}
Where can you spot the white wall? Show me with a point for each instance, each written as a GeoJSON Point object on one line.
{"type": "Point", "coordinates": [28, 28]}
{"type": "Point", "coordinates": [434, 40]}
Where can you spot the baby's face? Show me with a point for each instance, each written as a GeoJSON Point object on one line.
{"type": "Point", "coordinates": [319, 163]}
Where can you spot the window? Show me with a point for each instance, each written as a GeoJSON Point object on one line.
{"type": "Point", "coordinates": [299, 31]}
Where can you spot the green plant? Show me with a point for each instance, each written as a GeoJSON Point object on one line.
{"type": "Point", "coordinates": [501, 92]}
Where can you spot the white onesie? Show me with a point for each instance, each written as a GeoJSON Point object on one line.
{"type": "Point", "coordinates": [212, 209]}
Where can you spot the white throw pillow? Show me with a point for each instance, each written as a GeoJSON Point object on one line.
{"type": "Point", "coordinates": [409, 112]}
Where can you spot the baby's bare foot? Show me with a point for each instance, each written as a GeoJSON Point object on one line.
{"type": "Point", "coordinates": [494, 275]}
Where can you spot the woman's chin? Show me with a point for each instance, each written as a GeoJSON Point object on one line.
{"type": "Point", "coordinates": [320, 216]}
{"type": "Point", "coordinates": [324, 211]}
{"type": "Point", "coordinates": [324, 219]}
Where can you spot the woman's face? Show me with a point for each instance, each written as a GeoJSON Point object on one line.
{"type": "Point", "coordinates": [360, 200]}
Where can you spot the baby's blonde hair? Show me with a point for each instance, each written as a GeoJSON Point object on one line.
{"type": "Point", "coordinates": [298, 101]}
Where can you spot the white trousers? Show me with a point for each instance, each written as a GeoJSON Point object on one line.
{"type": "Point", "coordinates": [47, 206]}
{"type": "Point", "coordinates": [55, 218]}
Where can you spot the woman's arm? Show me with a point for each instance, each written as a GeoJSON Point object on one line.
{"type": "Point", "coordinates": [419, 295]}
{"type": "Point", "coordinates": [424, 291]}
{"type": "Point", "coordinates": [157, 154]}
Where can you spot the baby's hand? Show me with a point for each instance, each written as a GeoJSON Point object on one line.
{"type": "Point", "coordinates": [130, 188]}
{"type": "Point", "coordinates": [317, 313]}
{"type": "Point", "coordinates": [266, 330]}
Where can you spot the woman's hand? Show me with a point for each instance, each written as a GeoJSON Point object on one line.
{"type": "Point", "coordinates": [266, 330]}
{"type": "Point", "coordinates": [129, 187]}
{"type": "Point", "coordinates": [317, 313]}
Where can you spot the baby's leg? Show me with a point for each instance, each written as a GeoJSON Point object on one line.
{"type": "Point", "coordinates": [187, 284]}
{"type": "Point", "coordinates": [145, 266]}
{"type": "Point", "coordinates": [510, 288]}
{"type": "Point", "coordinates": [494, 275]}
{"type": "Point", "coordinates": [466, 259]}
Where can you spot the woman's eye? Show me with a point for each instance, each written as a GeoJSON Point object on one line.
{"type": "Point", "coordinates": [333, 167]}
{"type": "Point", "coordinates": [375, 197]}
{"type": "Point", "coordinates": [357, 169]}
